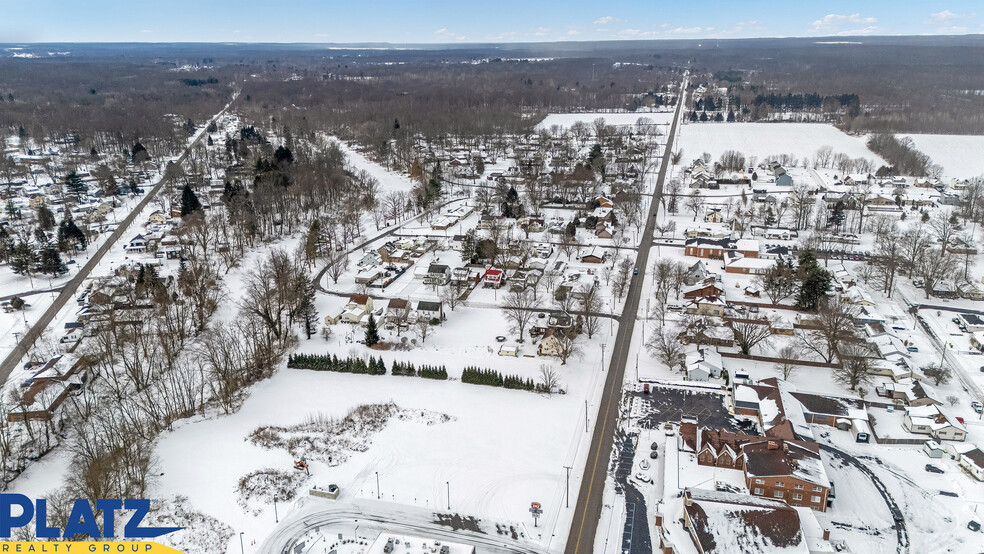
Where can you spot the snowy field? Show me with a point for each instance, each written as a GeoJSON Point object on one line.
{"type": "Point", "coordinates": [767, 139]}
{"type": "Point", "coordinates": [565, 120]}
{"type": "Point", "coordinates": [962, 156]}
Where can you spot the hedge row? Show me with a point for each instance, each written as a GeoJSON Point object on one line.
{"type": "Point", "coordinates": [493, 378]}
{"type": "Point", "coordinates": [425, 371]}
{"type": "Point", "coordinates": [375, 366]}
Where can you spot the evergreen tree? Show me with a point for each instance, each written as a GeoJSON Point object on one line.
{"type": "Point", "coordinates": [75, 186]}
{"type": "Point", "coordinates": [46, 219]}
{"type": "Point", "coordinates": [16, 302]}
{"type": "Point", "coordinates": [814, 282]}
{"type": "Point", "coordinates": [308, 311]}
{"type": "Point", "coordinates": [837, 215]}
{"type": "Point", "coordinates": [51, 262]}
{"type": "Point", "coordinates": [731, 116]}
{"type": "Point", "coordinates": [312, 243]}
{"type": "Point", "coordinates": [23, 259]}
{"type": "Point", "coordinates": [139, 154]}
{"type": "Point", "coordinates": [189, 201]}
{"type": "Point", "coordinates": [6, 244]}
{"type": "Point", "coordinates": [372, 334]}
{"type": "Point", "coordinates": [283, 156]}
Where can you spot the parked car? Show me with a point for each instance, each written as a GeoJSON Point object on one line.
{"type": "Point", "coordinates": [654, 454]}
{"type": "Point", "coordinates": [933, 469]}
{"type": "Point", "coordinates": [645, 388]}
{"type": "Point", "coordinates": [640, 476]}
{"type": "Point", "coordinates": [976, 406]}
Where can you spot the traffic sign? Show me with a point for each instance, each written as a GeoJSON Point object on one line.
{"type": "Point", "coordinates": [535, 505]}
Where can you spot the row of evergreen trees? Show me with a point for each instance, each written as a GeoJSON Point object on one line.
{"type": "Point", "coordinates": [425, 371]}
{"type": "Point", "coordinates": [492, 378]}
{"type": "Point", "coordinates": [318, 362]}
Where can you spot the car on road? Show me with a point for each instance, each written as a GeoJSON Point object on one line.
{"type": "Point", "coordinates": [635, 271]}
{"type": "Point", "coordinates": [654, 445]}
{"type": "Point", "coordinates": [976, 406]}
{"type": "Point", "coordinates": [912, 348]}
{"type": "Point", "coordinates": [640, 476]}
{"type": "Point", "coordinates": [654, 454]}
{"type": "Point", "coordinates": [933, 469]}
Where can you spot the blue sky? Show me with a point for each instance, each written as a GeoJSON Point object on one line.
{"type": "Point", "coordinates": [457, 21]}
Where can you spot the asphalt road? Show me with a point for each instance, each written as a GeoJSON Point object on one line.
{"type": "Point", "coordinates": [71, 287]}
{"type": "Point", "coordinates": [587, 512]}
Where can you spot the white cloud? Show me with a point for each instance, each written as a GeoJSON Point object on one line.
{"type": "Point", "coordinates": [606, 20]}
{"type": "Point", "coordinates": [445, 33]}
{"type": "Point", "coordinates": [541, 31]}
{"type": "Point", "coordinates": [573, 32]}
{"type": "Point", "coordinates": [834, 20]}
{"type": "Point", "coordinates": [684, 30]}
{"type": "Point", "coordinates": [947, 16]}
{"type": "Point", "coordinates": [146, 31]}
{"type": "Point", "coordinates": [856, 32]}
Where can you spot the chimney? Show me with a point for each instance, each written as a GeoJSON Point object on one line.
{"type": "Point", "coordinates": [659, 520]}
{"type": "Point", "coordinates": [687, 501]}
{"type": "Point", "coordinates": [826, 534]}
{"type": "Point", "coordinates": [773, 445]}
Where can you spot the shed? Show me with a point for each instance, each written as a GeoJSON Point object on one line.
{"type": "Point", "coordinates": [507, 350]}
{"type": "Point", "coordinates": [861, 430]}
{"type": "Point", "coordinates": [933, 449]}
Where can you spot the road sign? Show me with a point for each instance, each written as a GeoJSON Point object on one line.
{"type": "Point", "coordinates": [534, 506]}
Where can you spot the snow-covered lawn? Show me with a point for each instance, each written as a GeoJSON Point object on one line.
{"type": "Point", "coordinates": [960, 155]}
{"type": "Point", "coordinates": [767, 139]}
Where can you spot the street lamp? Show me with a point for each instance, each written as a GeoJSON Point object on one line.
{"type": "Point", "coordinates": [275, 516]}
{"type": "Point", "coordinates": [241, 547]}
{"type": "Point", "coordinates": [449, 494]}
{"type": "Point", "coordinates": [377, 485]}
{"type": "Point", "coordinates": [603, 357]}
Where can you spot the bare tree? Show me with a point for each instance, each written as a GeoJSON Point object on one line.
{"type": "Point", "coordinates": [832, 326]}
{"type": "Point", "coordinates": [549, 379]}
{"type": "Point", "coordinates": [590, 301]}
{"type": "Point", "coordinates": [940, 374]}
{"type": "Point", "coordinates": [748, 334]}
{"type": "Point", "coordinates": [451, 294]}
{"type": "Point", "coordinates": [422, 328]}
{"type": "Point", "coordinates": [855, 369]}
{"type": "Point", "coordinates": [779, 282]}
{"type": "Point", "coordinates": [520, 308]}
{"type": "Point", "coordinates": [788, 355]}
{"type": "Point", "coordinates": [664, 343]}
{"type": "Point", "coordinates": [568, 345]}
{"type": "Point", "coordinates": [695, 203]}
{"type": "Point", "coordinates": [337, 265]}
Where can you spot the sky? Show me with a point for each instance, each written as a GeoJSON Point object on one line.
{"type": "Point", "coordinates": [462, 21]}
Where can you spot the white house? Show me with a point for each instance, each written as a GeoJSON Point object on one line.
{"type": "Point", "coordinates": [930, 420]}
{"type": "Point", "coordinates": [973, 463]}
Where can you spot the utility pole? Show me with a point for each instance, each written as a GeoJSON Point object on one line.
{"type": "Point", "coordinates": [377, 485]}
{"type": "Point", "coordinates": [602, 357]}
{"type": "Point", "coordinates": [568, 486]}
{"type": "Point", "coordinates": [585, 416]}
{"type": "Point", "coordinates": [275, 516]}
{"type": "Point", "coordinates": [449, 494]}
{"type": "Point", "coordinates": [637, 366]}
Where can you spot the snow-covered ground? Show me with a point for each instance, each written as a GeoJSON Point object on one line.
{"type": "Point", "coordinates": [768, 139]}
{"type": "Point", "coordinates": [565, 120]}
{"type": "Point", "coordinates": [959, 155]}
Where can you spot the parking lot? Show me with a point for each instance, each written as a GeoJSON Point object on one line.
{"type": "Point", "coordinates": [669, 404]}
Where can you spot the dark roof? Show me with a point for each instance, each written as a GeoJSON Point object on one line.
{"type": "Point", "coordinates": [429, 306]}
{"type": "Point", "coordinates": [976, 455]}
{"type": "Point", "coordinates": [360, 299]}
{"type": "Point", "coordinates": [760, 460]}
{"type": "Point", "coordinates": [816, 404]}
{"type": "Point", "coordinates": [702, 241]}
{"type": "Point", "coordinates": [398, 303]}
{"type": "Point", "coordinates": [973, 319]}
{"type": "Point", "coordinates": [764, 520]}
{"type": "Point", "coordinates": [437, 268]}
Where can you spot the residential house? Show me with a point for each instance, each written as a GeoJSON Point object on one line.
{"type": "Point", "coordinates": [397, 311]}
{"type": "Point", "coordinates": [930, 420]}
{"type": "Point", "coordinates": [595, 256]}
{"type": "Point", "coordinates": [137, 244]}
{"type": "Point", "coordinates": [907, 392]}
{"type": "Point", "coordinates": [704, 290]}
{"type": "Point", "coordinates": [973, 463]}
{"type": "Point", "coordinates": [696, 273]}
{"type": "Point", "coordinates": [830, 410]}
{"type": "Point", "coordinates": [430, 310]}
{"type": "Point", "coordinates": [158, 218]}
{"type": "Point", "coordinates": [357, 310]}
{"type": "Point", "coordinates": [437, 274]}
{"type": "Point", "coordinates": [493, 278]}
{"type": "Point", "coordinates": [714, 215]}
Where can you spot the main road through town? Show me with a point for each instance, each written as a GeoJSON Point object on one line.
{"type": "Point", "coordinates": [587, 512]}
{"type": "Point", "coordinates": [70, 288]}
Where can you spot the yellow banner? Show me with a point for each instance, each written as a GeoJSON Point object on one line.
{"type": "Point", "coordinates": [119, 547]}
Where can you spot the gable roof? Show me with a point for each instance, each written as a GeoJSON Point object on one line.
{"type": "Point", "coordinates": [724, 523]}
